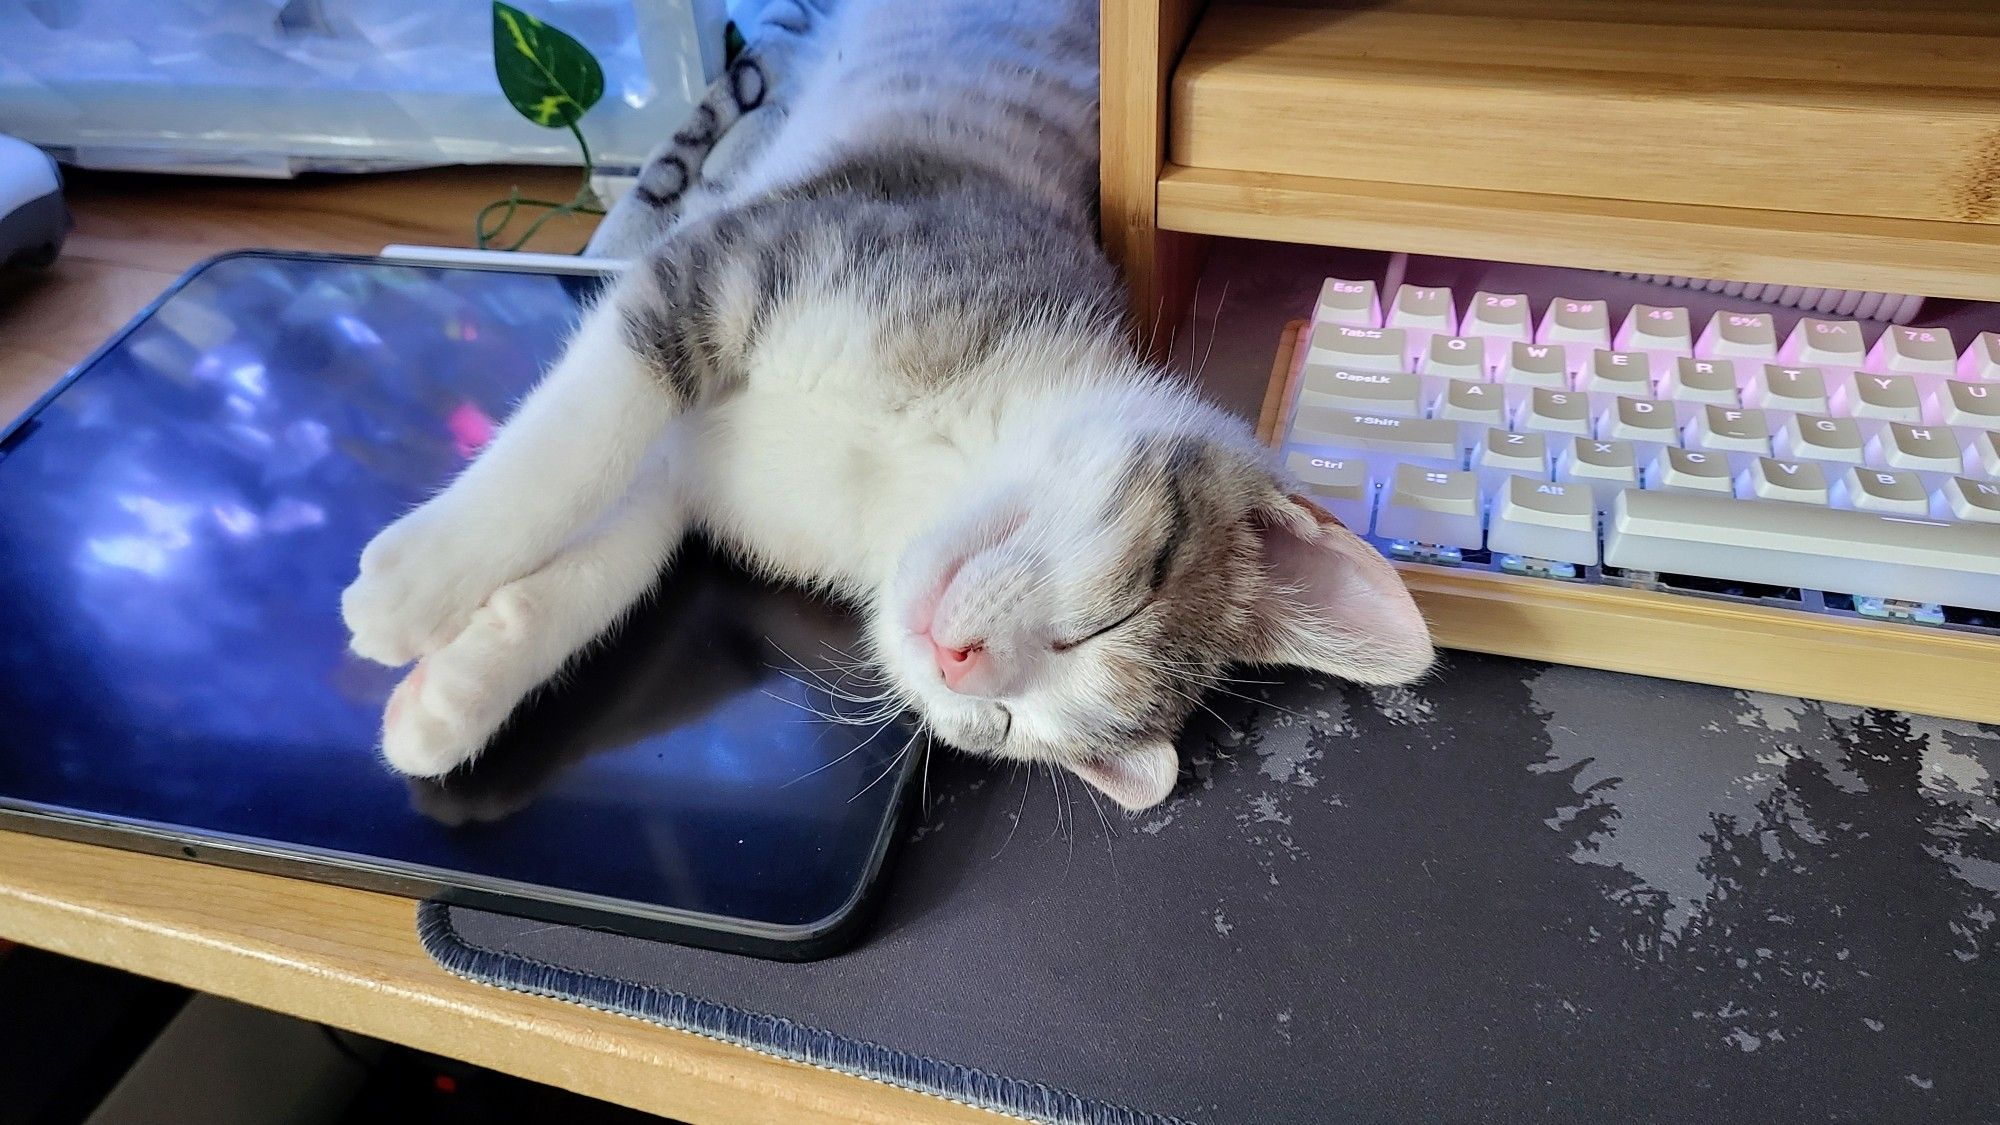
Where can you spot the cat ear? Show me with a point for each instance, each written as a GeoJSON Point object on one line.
{"type": "Point", "coordinates": [1331, 603]}
{"type": "Point", "coordinates": [1138, 778]}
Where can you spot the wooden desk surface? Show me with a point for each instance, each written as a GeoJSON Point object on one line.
{"type": "Point", "coordinates": [342, 957]}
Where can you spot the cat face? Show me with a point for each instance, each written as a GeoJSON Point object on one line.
{"type": "Point", "coordinates": [1075, 616]}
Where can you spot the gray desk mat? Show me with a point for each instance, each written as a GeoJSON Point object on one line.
{"type": "Point", "coordinates": [1513, 892]}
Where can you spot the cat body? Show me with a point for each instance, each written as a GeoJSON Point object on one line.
{"type": "Point", "coordinates": [876, 351]}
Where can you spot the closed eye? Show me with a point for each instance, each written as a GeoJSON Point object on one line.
{"type": "Point", "coordinates": [1065, 646]}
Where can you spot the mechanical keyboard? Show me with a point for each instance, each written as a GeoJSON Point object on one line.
{"type": "Point", "coordinates": [1738, 493]}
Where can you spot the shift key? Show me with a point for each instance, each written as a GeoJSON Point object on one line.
{"type": "Point", "coordinates": [1384, 439]}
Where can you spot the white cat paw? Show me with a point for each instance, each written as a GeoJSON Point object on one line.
{"type": "Point", "coordinates": [420, 581]}
{"type": "Point", "coordinates": [450, 706]}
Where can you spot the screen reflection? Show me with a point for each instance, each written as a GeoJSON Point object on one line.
{"type": "Point", "coordinates": [175, 529]}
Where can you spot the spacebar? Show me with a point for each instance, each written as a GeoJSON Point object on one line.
{"type": "Point", "coordinates": [1778, 543]}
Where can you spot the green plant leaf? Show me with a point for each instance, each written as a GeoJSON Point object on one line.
{"type": "Point", "coordinates": [550, 78]}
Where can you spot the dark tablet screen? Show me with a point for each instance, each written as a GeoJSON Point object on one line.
{"type": "Point", "coordinates": [177, 523]}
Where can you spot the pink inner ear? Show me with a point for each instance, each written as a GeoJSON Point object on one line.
{"type": "Point", "coordinates": [1138, 778]}
{"type": "Point", "coordinates": [1334, 604]}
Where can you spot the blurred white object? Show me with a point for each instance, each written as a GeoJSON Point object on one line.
{"type": "Point", "coordinates": [33, 218]}
{"type": "Point", "coordinates": [275, 87]}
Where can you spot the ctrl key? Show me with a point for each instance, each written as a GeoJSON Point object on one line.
{"type": "Point", "coordinates": [1338, 484]}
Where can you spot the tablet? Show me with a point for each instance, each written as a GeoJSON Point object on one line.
{"type": "Point", "coordinates": [177, 520]}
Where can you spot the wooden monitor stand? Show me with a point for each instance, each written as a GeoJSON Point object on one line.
{"type": "Point", "coordinates": [1823, 143]}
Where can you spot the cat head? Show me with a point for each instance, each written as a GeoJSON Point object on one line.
{"type": "Point", "coordinates": [1074, 611]}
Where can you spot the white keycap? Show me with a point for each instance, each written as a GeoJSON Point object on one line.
{"type": "Point", "coordinates": [1962, 498]}
{"type": "Point", "coordinates": [1825, 343]}
{"type": "Point", "coordinates": [1690, 470]}
{"type": "Point", "coordinates": [1352, 303]}
{"type": "Point", "coordinates": [1887, 398]}
{"type": "Point", "coordinates": [1580, 326]}
{"type": "Point", "coordinates": [1431, 506]}
{"type": "Point", "coordinates": [1738, 335]}
{"type": "Point", "coordinates": [1475, 406]}
{"type": "Point", "coordinates": [1454, 357]}
{"type": "Point", "coordinates": [1799, 545]}
{"type": "Point", "coordinates": [1701, 381]}
{"type": "Point", "coordinates": [1604, 467]}
{"type": "Point", "coordinates": [1617, 373]}
{"type": "Point", "coordinates": [1727, 429]}
{"type": "Point", "coordinates": [1644, 420]}
{"type": "Point", "coordinates": [1384, 438]}
{"type": "Point", "coordinates": [1656, 328]}
{"type": "Point", "coordinates": [1502, 453]}
{"type": "Point", "coordinates": [1543, 520]}
{"type": "Point", "coordinates": [1923, 449]}
{"type": "Point", "coordinates": [1555, 412]}
{"type": "Point", "coordinates": [1914, 351]}
{"type": "Point", "coordinates": [1370, 349]}
{"type": "Point", "coordinates": [1768, 478]}
{"type": "Point", "coordinates": [1339, 484]}
{"type": "Point", "coordinates": [1961, 402]}
{"type": "Point", "coordinates": [1807, 437]}
{"type": "Point", "coordinates": [1417, 308]}
{"type": "Point", "coordinates": [1882, 490]}
{"type": "Point", "coordinates": [1982, 357]}
{"type": "Point", "coordinates": [1536, 365]}
{"type": "Point", "coordinates": [1375, 392]}
{"type": "Point", "coordinates": [1498, 318]}
{"type": "Point", "coordinates": [1982, 455]}
{"type": "Point", "coordinates": [1801, 390]}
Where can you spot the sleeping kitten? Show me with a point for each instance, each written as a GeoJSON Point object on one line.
{"type": "Point", "coordinates": [877, 352]}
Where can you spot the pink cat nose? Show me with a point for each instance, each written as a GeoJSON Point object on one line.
{"type": "Point", "coordinates": [957, 663]}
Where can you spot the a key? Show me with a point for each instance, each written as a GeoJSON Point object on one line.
{"type": "Point", "coordinates": [1914, 351]}
{"type": "Point", "coordinates": [1604, 467]}
{"type": "Point", "coordinates": [1768, 478]}
{"type": "Point", "coordinates": [1825, 343]}
{"type": "Point", "coordinates": [1960, 402]}
{"type": "Point", "coordinates": [1798, 545]}
{"type": "Point", "coordinates": [1888, 398]}
{"type": "Point", "coordinates": [1502, 453]}
{"type": "Point", "coordinates": [1369, 349]}
{"type": "Point", "coordinates": [1656, 328]}
{"type": "Point", "coordinates": [1962, 498]}
{"type": "Point", "coordinates": [1923, 449]}
{"type": "Point", "coordinates": [1982, 454]}
{"type": "Point", "coordinates": [1807, 437]}
{"type": "Point", "coordinates": [1617, 373]}
{"type": "Point", "coordinates": [1701, 381]}
{"type": "Point", "coordinates": [1690, 470]}
{"type": "Point", "coordinates": [1424, 439]}
{"type": "Point", "coordinates": [1340, 484]}
{"type": "Point", "coordinates": [1454, 357]}
{"type": "Point", "coordinates": [1736, 335]}
{"type": "Point", "coordinates": [1536, 365]}
{"type": "Point", "coordinates": [1427, 310]}
{"type": "Point", "coordinates": [1726, 429]}
{"type": "Point", "coordinates": [1882, 490]}
{"type": "Point", "coordinates": [1982, 357]}
{"type": "Point", "coordinates": [1352, 303]}
{"type": "Point", "coordinates": [1801, 390]}
{"type": "Point", "coordinates": [1474, 406]}
{"type": "Point", "coordinates": [1579, 326]}
{"type": "Point", "coordinates": [1543, 520]}
{"type": "Point", "coordinates": [1498, 318]}
{"type": "Point", "coordinates": [1431, 506]}
{"type": "Point", "coordinates": [1644, 420]}
{"type": "Point", "coordinates": [1556, 412]}
{"type": "Point", "coordinates": [1376, 392]}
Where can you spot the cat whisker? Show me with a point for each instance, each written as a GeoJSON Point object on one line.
{"type": "Point", "coordinates": [862, 745]}
{"type": "Point", "coordinates": [886, 770]}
